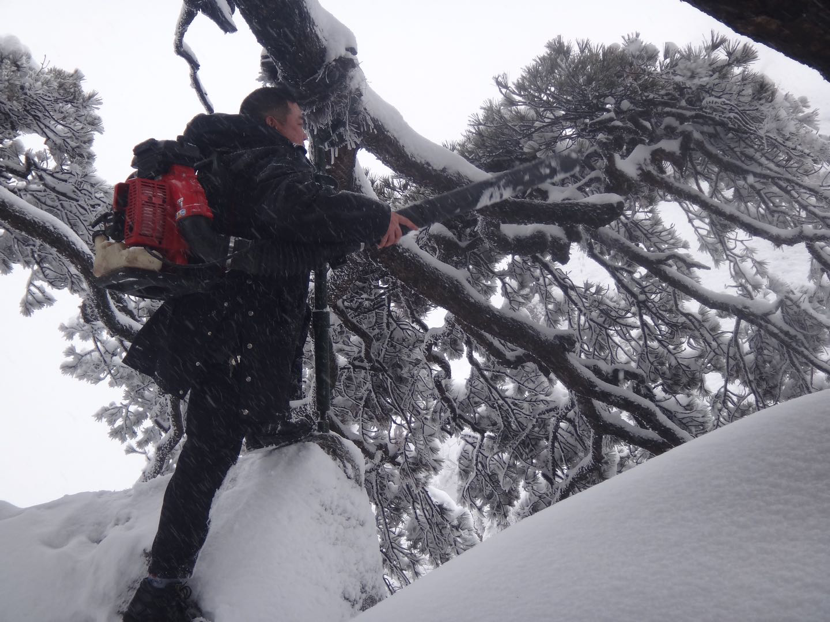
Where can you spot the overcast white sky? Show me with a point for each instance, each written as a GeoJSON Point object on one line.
{"type": "Point", "coordinates": [433, 60]}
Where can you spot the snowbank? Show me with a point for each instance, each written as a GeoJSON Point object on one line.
{"type": "Point", "coordinates": [290, 534]}
{"type": "Point", "coordinates": [732, 526]}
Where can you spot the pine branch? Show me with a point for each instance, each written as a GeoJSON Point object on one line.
{"type": "Point", "coordinates": [735, 166]}
{"type": "Point", "coordinates": [420, 272]}
{"type": "Point", "coordinates": [761, 314]}
{"type": "Point", "coordinates": [776, 235]}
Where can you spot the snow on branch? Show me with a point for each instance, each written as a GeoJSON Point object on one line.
{"type": "Point", "coordinates": [219, 11]}
{"type": "Point", "coordinates": [338, 39]}
{"type": "Point", "coordinates": [408, 153]}
{"type": "Point", "coordinates": [735, 166]}
{"type": "Point", "coordinates": [37, 223]}
{"type": "Point", "coordinates": [660, 427]}
{"type": "Point", "coordinates": [820, 254]}
{"type": "Point", "coordinates": [500, 351]}
{"type": "Point", "coordinates": [448, 288]}
{"type": "Point", "coordinates": [290, 35]}
{"type": "Point", "coordinates": [640, 166]}
{"type": "Point", "coordinates": [776, 235]}
{"type": "Point", "coordinates": [24, 218]}
{"type": "Point", "coordinates": [760, 313]}
{"type": "Point", "coordinates": [523, 239]}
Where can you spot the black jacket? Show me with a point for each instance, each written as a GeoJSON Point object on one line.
{"type": "Point", "coordinates": [252, 326]}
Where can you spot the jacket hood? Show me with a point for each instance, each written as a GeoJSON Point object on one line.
{"type": "Point", "coordinates": [231, 132]}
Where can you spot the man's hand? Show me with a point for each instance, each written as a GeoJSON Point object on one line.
{"type": "Point", "coordinates": [394, 233]}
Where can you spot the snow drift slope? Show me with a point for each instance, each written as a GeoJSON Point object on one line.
{"type": "Point", "coordinates": [734, 526]}
{"type": "Point", "coordinates": [290, 535]}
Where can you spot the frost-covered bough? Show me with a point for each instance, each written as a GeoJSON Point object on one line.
{"type": "Point", "coordinates": [50, 104]}
{"type": "Point", "coordinates": [695, 127]}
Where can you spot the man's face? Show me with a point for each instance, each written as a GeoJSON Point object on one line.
{"type": "Point", "coordinates": [293, 127]}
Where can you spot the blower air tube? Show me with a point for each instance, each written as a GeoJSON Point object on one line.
{"type": "Point", "coordinates": [270, 258]}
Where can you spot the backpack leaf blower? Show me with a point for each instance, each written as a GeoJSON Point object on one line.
{"type": "Point", "coordinates": [141, 250]}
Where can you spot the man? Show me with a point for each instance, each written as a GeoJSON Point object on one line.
{"type": "Point", "coordinates": [235, 347]}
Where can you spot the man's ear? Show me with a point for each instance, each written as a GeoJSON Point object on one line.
{"type": "Point", "coordinates": [271, 121]}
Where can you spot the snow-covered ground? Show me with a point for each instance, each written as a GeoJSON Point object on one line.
{"type": "Point", "coordinates": [290, 533]}
{"type": "Point", "coordinates": [730, 527]}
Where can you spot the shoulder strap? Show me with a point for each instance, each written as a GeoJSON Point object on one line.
{"type": "Point", "coordinates": [217, 181]}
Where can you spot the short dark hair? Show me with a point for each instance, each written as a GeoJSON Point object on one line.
{"type": "Point", "coordinates": [266, 101]}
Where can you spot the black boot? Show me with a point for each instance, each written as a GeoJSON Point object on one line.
{"type": "Point", "coordinates": [170, 603]}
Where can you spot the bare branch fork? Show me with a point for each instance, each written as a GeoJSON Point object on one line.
{"type": "Point", "coordinates": [190, 9]}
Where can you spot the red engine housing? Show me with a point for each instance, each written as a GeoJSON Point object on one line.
{"type": "Point", "coordinates": [153, 207]}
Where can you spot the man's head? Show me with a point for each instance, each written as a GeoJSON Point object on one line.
{"type": "Point", "coordinates": [276, 108]}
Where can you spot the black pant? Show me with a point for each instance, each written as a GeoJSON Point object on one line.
{"type": "Point", "coordinates": [215, 431]}
{"type": "Point", "coordinates": [225, 404]}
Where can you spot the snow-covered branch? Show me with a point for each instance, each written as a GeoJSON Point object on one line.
{"type": "Point", "coordinates": [759, 313]}
{"type": "Point", "coordinates": [448, 288]}
{"type": "Point", "coordinates": [20, 216]}
{"type": "Point", "coordinates": [757, 172]}
{"type": "Point", "coordinates": [776, 235]}
{"type": "Point", "coordinates": [408, 153]}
